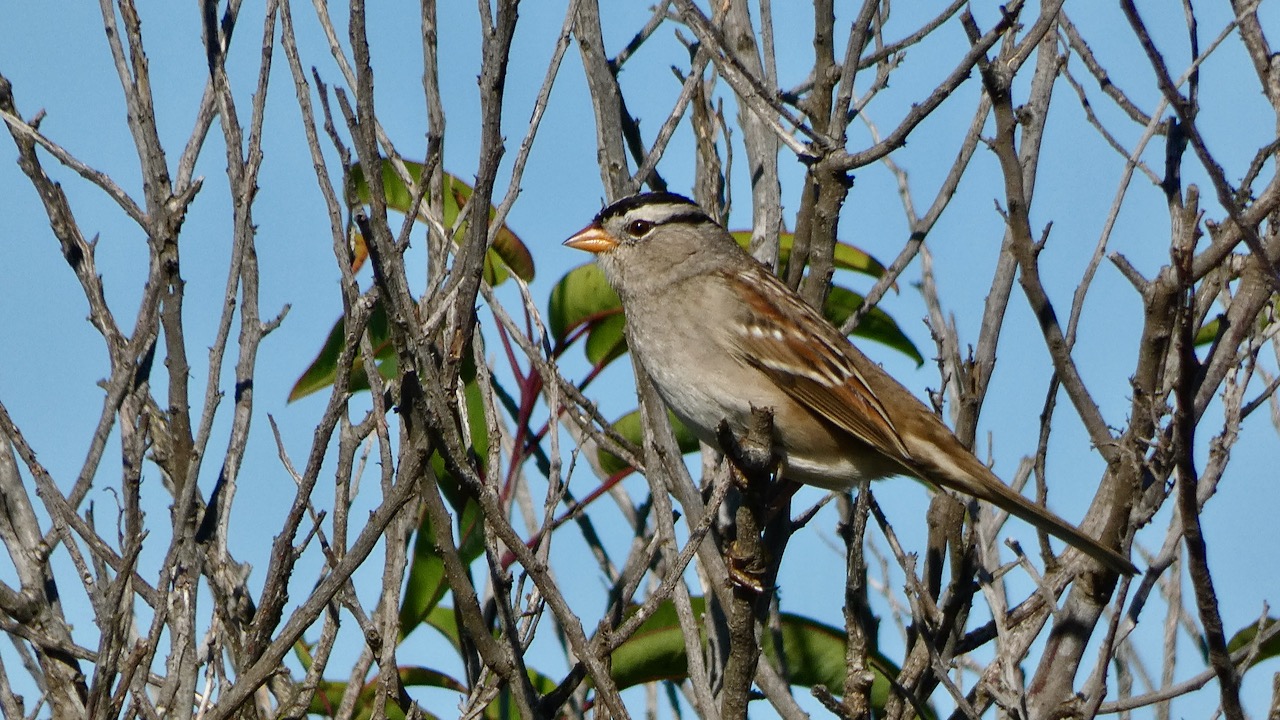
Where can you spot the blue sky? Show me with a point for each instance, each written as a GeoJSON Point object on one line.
{"type": "Point", "coordinates": [59, 62]}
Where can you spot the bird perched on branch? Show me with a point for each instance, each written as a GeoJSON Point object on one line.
{"type": "Point", "coordinates": [720, 335]}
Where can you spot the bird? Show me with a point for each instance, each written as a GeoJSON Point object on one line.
{"type": "Point", "coordinates": [721, 335]}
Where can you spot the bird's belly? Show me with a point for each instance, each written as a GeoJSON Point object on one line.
{"type": "Point", "coordinates": [837, 473]}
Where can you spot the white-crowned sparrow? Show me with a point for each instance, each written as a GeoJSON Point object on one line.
{"type": "Point", "coordinates": [720, 334]}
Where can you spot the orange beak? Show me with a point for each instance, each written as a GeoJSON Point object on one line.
{"type": "Point", "coordinates": [593, 239]}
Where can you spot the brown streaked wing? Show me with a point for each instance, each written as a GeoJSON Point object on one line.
{"type": "Point", "coordinates": [811, 369]}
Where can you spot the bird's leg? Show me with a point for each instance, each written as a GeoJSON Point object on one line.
{"type": "Point", "coordinates": [751, 557]}
{"type": "Point", "coordinates": [751, 455]}
{"type": "Point", "coordinates": [780, 497]}
{"type": "Point", "coordinates": [757, 471]}
{"type": "Point", "coordinates": [752, 467]}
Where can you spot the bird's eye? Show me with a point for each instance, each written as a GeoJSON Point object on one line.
{"type": "Point", "coordinates": [639, 228]}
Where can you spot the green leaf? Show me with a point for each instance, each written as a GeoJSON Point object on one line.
{"type": "Point", "coordinates": [302, 651]}
{"type": "Point", "coordinates": [477, 423]}
{"type": "Point", "coordinates": [1245, 638]}
{"type": "Point", "coordinates": [427, 585]}
{"type": "Point", "coordinates": [445, 620]}
{"type": "Point", "coordinates": [426, 677]}
{"type": "Point", "coordinates": [629, 426]}
{"type": "Point", "coordinates": [656, 650]}
{"type": "Point", "coordinates": [607, 340]}
{"type": "Point", "coordinates": [323, 371]}
{"type": "Point", "coordinates": [583, 298]}
{"type": "Point", "coordinates": [504, 706]}
{"type": "Point", "coordinates": [815, 654]}
{"type": "Point", "coordinates": [877, 325]}
{"type": "Point", "coordinates": [846, 257]}
{"type": "Point", "coordinates": [508, 253]}
{"type": "Point", "coordinates": [1208, 332]}
{"type": "Point", "coordinates": [329, 694]}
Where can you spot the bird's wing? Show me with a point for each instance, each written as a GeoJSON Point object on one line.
{"type": "Point", "coordinates": [814, 369]}
{"type": "Point", "coordinates": [817, 370]}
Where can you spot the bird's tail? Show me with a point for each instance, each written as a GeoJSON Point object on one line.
{"type": "Point", "coordinates": [983, 484]}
